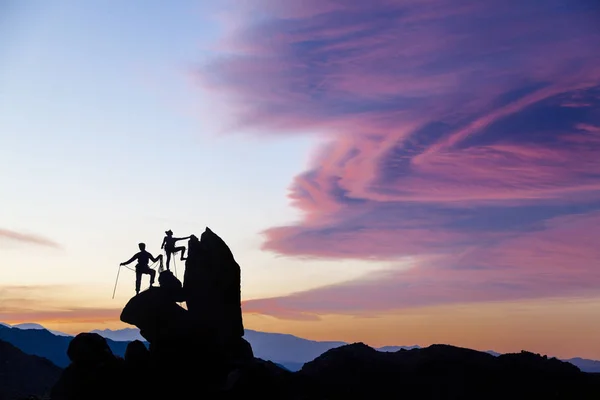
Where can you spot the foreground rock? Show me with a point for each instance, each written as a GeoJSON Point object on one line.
{"type": "Point", "coordinates": [444, 372]}
{"type": "Point", "coordinates": [195, 350]}
{"type": "Point", "coordinates": [23, 375]}
{"type": "Point", "coordinates": [354, 371]}
{"type": "Point", "coordinates": [198, 351]}
{"type": "Point", "coordinates": [94, 372]}
{"type": "Point", "coordinates": [201, 347]}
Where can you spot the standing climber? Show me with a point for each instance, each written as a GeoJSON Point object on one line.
{"type": "Point", "coordinates": [143, 257]}
{"type": "Point", "coordinates": [169, 245]}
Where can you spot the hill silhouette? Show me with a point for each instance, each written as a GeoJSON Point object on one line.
{"type": "Point", "coordinates": [309, 377]}
{"type": "Point", "coordinates": [120, 335]}
{"type": "Point", "coordinates": [41, 342]}
{"type": "Point", "coordinates": [289, 351]}
{"type": "Point", "coordinates": [201, 352]}
{"type": "Point", "coordinates": [35, 326]}
{"type": "Point", "coordinates": [445, 372]}
{"type": "Point", "coordinates": [292, 352]}
{"type": "Point", "coordinates": [23, 375]}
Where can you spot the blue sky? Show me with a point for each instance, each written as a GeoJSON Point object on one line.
{"type": "Point", "coordinates": [107, 141]}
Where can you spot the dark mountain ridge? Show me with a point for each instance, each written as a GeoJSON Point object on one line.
{"type": "Point", "coordinates": [23, 375]}
{"type": "Point", "coordinates": [289, 351]}
{"type": "Point", "coordinates": [445, 372]}
{"type": "Point", "coordinates": [41, 342]}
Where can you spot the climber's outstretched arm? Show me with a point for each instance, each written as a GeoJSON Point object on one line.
{"type": "Point", "coordinates": [135, 256]}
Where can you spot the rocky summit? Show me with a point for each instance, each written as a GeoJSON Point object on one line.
{"type": "Point", "coordinates": [199, 352]}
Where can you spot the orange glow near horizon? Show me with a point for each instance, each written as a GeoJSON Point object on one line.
{"type": "Point", "coordinates": [563, 328]}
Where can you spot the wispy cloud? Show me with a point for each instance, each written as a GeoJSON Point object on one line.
{"type": "Point", "coordinates": [464, 134]}
{"type": "Point", "coordinates": [558, 259]}
{"type": "Point", "coordinates": [27, 238]}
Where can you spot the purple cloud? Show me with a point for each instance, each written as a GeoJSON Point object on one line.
{"type": "Point", "coordinates": [460, 131]}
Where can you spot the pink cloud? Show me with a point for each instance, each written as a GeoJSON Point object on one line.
{"type": "Point", "coordinates": [461, 132]}
{"type": "Point", "coordinates": [27, 238]}
{"type": "Point", "coordinates": [558, 260]}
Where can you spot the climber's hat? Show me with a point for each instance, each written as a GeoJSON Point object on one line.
{"type": "Point", "coordinates": [169, 232]}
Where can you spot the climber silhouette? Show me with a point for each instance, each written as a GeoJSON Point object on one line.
{"type": "Point", "coordinates": [142, 267]}
{"type": "Point", "coordinates": [169, 245]}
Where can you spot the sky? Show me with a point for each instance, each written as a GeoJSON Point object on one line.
{"type": "Point", "coordinates": [395, 172]}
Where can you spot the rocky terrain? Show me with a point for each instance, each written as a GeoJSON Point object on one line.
{"type": "Point", "coordinates": [200, 352]}
{"type": "Point", "coordinates": [23, 374]}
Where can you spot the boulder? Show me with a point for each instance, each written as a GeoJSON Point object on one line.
{"type": "Point", "coordinates": [156, 314]}
{"type": "Point", "coordinates": [137, 354]}
{"type": "Point", "coordinates": [257, 378]}
{"type": "Point", "coordinates": [171, 286]}
{"type": "Point", "coordinates": [89, 349]}
{"type": "Point", "coordinates": [94, 372]}
{"type": "Point", "coordinates": [139, 367]}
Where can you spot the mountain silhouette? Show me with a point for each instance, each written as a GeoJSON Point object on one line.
{"type": "Point", "coordinates": [41, 342]}
{"type": "Point", "coordinates": [203, 351]}
{"type": "Point", "coordinates": [23, 375]}
{"type": "Point", "coordinates": [585, 364]}
{"type": "Point", "coordinates": [444, 372]}
{"type": "Point", "coordinates": [120, 335]}
{"type": "Point", "coordinates": [292, 352]}
{"type": "Point", "coordinates": [288, 351]}
{"type": "Point", "coordinates": [28, 326]}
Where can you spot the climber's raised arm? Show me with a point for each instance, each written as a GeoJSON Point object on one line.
{"type": "Point", "coordinates": [135, 256]}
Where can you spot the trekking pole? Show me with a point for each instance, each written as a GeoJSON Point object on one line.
{"type": "Point", "coordinates": [175, 267]}
{"type": "Point", "coordinates": [117, 280]}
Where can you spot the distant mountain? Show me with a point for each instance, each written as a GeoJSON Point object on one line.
{"type": "Point", "coordinates": [585, 365]}
{"type": "Point", "coordinates": [41, 342]}
{"type": "Point", "coordinates": [121, 335]}
{"type": "Point", "coordinates": [396, 348]}
{"type": "Point", "coordinates": [291, 365]}
{"type": "Point", "coordinates": [292, 351]}
{"type": "Point", "coordinates": [17, 370]}
{"type": "Point", "coordinates": [494, 353]}
{"type": "Point", "coordinates": [289, 351]}
{"type": "Point", "coordinates": [37, 326]}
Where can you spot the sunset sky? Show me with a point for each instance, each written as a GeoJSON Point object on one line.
{"type": "Point", "coordinates": [396, 172]}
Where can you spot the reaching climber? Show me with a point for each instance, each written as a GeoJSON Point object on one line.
{"type": "Point", "coordinates": [169, 245]}
{"type": "Point", "coordinates": [143, 257]}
